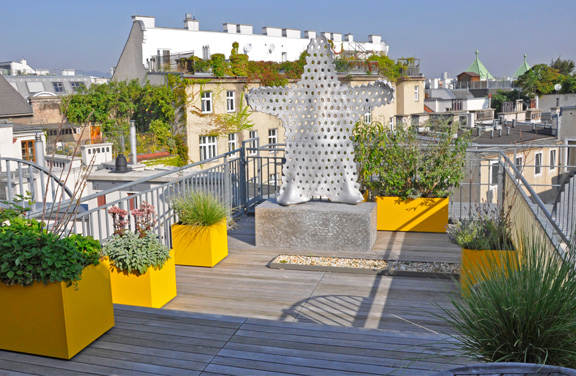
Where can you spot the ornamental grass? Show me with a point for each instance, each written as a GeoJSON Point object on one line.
{"type": "Point", "coordinates": [524, 313]}
{"type": "Point", "coordinates": [199, 208]}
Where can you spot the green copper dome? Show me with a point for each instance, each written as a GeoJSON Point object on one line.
{"type": "Point", "coordinates": [523, 68]}
{"type": "Point", "coordinates": [479, 68]}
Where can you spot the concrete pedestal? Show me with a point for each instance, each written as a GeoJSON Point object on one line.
{"type": "Point", "coordinates": [316, 225]}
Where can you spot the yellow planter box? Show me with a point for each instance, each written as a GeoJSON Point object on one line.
{"type": "Point", "coordinates": [200, 246]}
{"type": "Point", "coordinates": [419, 215]}
{"type": "Point", "coordinates": [153, 289]}
{"type": "Point", "coordinates": [55, 320]}
{"type": "Point", "coordinates": [474, 263]}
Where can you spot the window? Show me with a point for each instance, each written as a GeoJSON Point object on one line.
{"type": "Point", "coordinates": [392, 122]}
{"type": "Point", "coordinates": [538, 163]}
{"type": "Point", "coordinates": [553, 159]}
{"type": "Point", "coordinates": [230, 101]}
{"type": "Point", "coordinates": [76, 86]}
{"type": "Point", "coordinates": [207, 147]}
{"type": "Point", "coordinates": [494, 167]}
{"type": "Point", "coordinates": [28, 150]}
{"type": "Point", "coordinates": [35, 87]}
{"type": "Point", "coordinates": [284, 56]}
{"type": "Point", "coordinates": [58, 87]}
{"type": "Point", "coordinates": [519, 162]}
{"type": "Point", "coordinates": [416, 93]}
{"type": "Point", "coordinates": [232, 142]}
{"type": "Point", "coordinates": [253, 143]}
{"type": "Point", "coordinates": [368, 116]}
{"type": "Point", "coordinates": [206, 102]}
{"type": "Point", "coordinates": [272, 137]}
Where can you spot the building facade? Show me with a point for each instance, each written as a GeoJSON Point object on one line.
{"type": "Point", "coordinates": [150, 48]}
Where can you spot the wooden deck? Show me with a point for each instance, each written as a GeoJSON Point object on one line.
{"type": "Point", "coordinates": [243, 318]}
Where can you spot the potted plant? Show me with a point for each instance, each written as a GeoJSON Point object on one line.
{"type": "Point", "coordinates": [200, 238]}
{"type": "Point", "coordinates": [410, 176]}
{"type": "Point", "coordinates": [486, 243]}
{"type": "Point", "coordinates": [55, 293]}
{"type": "Point", "coordinates": [142, 268]}
{"type": "Point", "coordinates": [524, 312]}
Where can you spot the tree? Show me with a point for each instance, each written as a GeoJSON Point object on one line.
{"type": "Point", "coordinates": [538, 80]}
{"type": "Point", "coordinates": [388, 67]}
{"type": "Point", "coordinates": [156, 109]}
{"type": "Point", "coordinates": [505, 96]}
{"type": "Point", "coordinates": [564, 67]}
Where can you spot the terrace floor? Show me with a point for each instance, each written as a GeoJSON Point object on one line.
{"type": "Point", "coordinates": [243, 318]}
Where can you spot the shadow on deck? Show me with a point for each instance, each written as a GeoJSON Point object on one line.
{"type": "Point", "coordinates": [243, 318]}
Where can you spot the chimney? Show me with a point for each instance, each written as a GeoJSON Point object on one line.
{"type": "Point", "coordinates": [133, 142]}
{"type": "Point", "coordinates": [376, 39]}
{"type": "Point", "coordinates": [291, 33]}
{"type": "Point", "coordinates": [327, 34]}
{"type": "Point", "coordinates": [230, 28]}
{"type": "Point", "coordinates": [308, 34]}
{"type": "Point", "coordinates": [39, 149]}
{"type": "Point", "coordinates": [23, 61]}
{"type": "Point", "coordinates": [244, 29]}
{"type": "Point", "coordinates": [349, 37]}
{"type": "Point", "coordinates": [337, 37]}
{"type": "Point", "coordinates": [190, 23]}
{"type": "Point", "coordinates": [272, 31]}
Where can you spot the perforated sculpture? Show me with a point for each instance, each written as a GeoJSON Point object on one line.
{"type": "Point", "coordinates": [319, 114]}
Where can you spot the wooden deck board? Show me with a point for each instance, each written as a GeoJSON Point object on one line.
{"type": "Point", "coordinates": [243, 318]}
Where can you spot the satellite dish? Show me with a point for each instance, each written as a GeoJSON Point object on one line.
{"type": "Point", "coordinates": [271, 48]}
{"type": "Point", "coordinates": [247, 48]}
{"type": "Point", "coordinates": [557, 87]}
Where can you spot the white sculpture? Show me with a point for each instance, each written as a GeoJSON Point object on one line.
{"type": "Point", "coordinates": [319, 114]}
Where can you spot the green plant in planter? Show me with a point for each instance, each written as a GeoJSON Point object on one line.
{"type": "Point", "coordinates": [139, 250]}
{"type": "Point", "coordinates": [199, 208]}
{"type": "Point", "coordinates": [487, 230]}
{"type": "Point", "coordinates": [29, 253]}
{"type": "Point", "coordinates": [401, 163]}
{"type": "Point", "coordinates": [524, 312]}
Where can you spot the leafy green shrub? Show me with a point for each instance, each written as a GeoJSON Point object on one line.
{"type": "Point", "coordinates": [135, 251]}
{"type": "Point", "coordinates": [198, 208]}
{"type": "Point", "coordinates": [522, 312]}
{"type": "Point", "coordinates": [483, 232]}
{"type": "Point", "coordinates": [132, 252]}
{"type": "Point", "coordinates": [400, 163]}
{"type": "Point", "coordinates": [219, 65]}
{"type": "Point", "coordinates": [30, 253]}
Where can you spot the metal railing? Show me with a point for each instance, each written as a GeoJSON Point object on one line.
{"type": "Point", "coordinates": [252, 174]}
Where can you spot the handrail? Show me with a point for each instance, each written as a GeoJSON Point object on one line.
{"type": "Point", "coordinates": [37, 167]}
{"type": "Point", "coordinates": [518, 176]}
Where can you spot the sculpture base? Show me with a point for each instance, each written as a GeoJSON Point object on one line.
{"type": "Point", "coordinates": [316, 225]}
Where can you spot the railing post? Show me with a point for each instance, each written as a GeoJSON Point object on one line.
{"type": "Point", "coordinates": [242, 183]}
{"type": "Point", "coordinates": [227, 181]}
{"type": "Point", "coordinates": [501, 187]}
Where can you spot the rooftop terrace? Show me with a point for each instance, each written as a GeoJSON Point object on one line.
{"type": "Point", "coordinates": [243, 318]}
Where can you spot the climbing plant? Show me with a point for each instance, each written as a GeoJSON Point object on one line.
{"type": "Point", "coordinates": [157, 109]}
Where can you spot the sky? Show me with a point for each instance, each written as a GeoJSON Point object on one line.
{"type": "Point", "coordinates": [443, 34]}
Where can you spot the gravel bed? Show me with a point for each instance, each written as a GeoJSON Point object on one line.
{"type": "Point", "coordinates": [395, 265]}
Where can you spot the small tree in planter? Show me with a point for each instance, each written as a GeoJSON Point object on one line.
{"type": "Point", "coordinates": [201, 236]}
{"type": "Point", "coordinates": [143, 271]}
{"type": "Point", "coordinates": [55, 293]}
{"type": "Point", "coordinates": [409, 176]}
